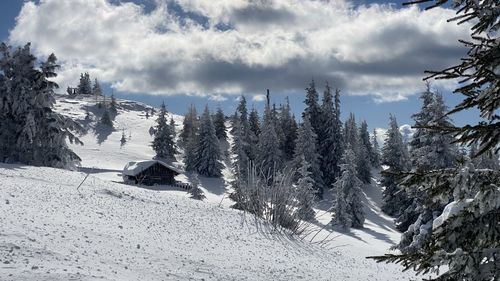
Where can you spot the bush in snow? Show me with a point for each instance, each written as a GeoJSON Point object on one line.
{"type": "Point", "coordinates": [280, 203]}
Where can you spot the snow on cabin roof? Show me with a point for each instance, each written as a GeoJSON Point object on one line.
{"type": "Point", "coordinates": [134, 168]}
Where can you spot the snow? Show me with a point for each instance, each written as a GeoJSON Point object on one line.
{"type": "Point", "coordinates": [134, 168]}
{"type": "Point", "coordinates": [452, 209]}
{"type": "Point", "coordinates": [52, 230]}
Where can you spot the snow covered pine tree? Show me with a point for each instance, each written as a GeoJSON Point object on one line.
{"type": "Point", "coordinates": [33, 134]}
{"type": "Point", "coordinates": [163, 144]}
{"type": "Point", "coordinates": [208, 149]}
{"type": "Point", "coordinates": [347, 207]}
{"type": "Point", "coordinates": [465, 242]}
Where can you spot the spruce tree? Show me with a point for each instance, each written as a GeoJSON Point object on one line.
{"type": "Point", "coordinates": [288, 128]}
{"type": "Point", "coordinates": [220, 126]}
{"type": "Point", "coordinates": [269, 156]}
{"type": "Point", "coordinates": [254, 132]}
{"type": "Point", "coordinates": [243, 145]}
{"type": "Point", "coordinates": [195, 190]}
{"type": "Point", "coordinates": [305, 191]}
{"type": "Point", "coordinates": [96, 89]}
{"type": "Point", "coordinates": [329, 139]}
{"type": "Point", "coordinates": [113, 105]}
{"type": "Point", "coordinates": [241, 160]}
{"type": "Point", "coordinates": [395, 157]}
{"type": "Point", "coordinates": [365, 154]}
{"type": "Point", "coordinates": [190, 156]}
{"type": "Point", "coordinates": [348, 207]}
{"type": "Point", "coordinates": [465, 237]}
{"type": "Point", "coordinates": [163, 143]}
{"type": "Point", "coordinates": [189, 126]}
{"type": "Point", "coordinates": [31, 132]}
{"type": "Point", "coordinates": [430, 151]}
{"type": "Point", "coordinates": [337, 142]}
{"type": "Point", "coordinates": [376, 150]}
{"type": "Point", "coordinates": [208, 151]}
{"type": "Point", "coordinates": [85, 85]}
{"type": "Point", "coordinates": [312, 109]}
{"type": "Point", "coordinates": [253, 122]}
{"type": "Point", "coordinates": [487, 160]}
{"type": "Point", "coordinates": [106, 118]}
{"type": "Point", "coordinates": [351, 133]}
{"type": "Point", "coordinates": [305, 148]}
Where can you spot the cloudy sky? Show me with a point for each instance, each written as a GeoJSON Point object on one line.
{"type": "Point", "coordinates": [201, 51]}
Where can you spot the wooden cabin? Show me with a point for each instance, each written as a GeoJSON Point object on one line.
{"type": "Point", "coordinates": [149, 172]}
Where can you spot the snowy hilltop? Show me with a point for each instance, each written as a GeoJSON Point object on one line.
{"type": "Point", "coordinates": [60, 228]}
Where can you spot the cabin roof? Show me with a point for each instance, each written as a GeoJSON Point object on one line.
{"type": "Point", "coordinates": [135, 168]}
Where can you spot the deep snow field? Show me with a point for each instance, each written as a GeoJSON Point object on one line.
{"type": "Point", "coordinates": [53, 229]}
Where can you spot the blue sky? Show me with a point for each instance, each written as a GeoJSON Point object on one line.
{"type": "Point", "coordinates": [359, 61]}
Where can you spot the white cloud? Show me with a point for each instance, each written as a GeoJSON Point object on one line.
{"type": "Point", "coordinates": [217, 97]}
{"type": "Point", "coordinates": [381, 136]}
{"type": "Point", "coordinates": [259, 97]}
{"type": "Point", "coordinates": [406, 131]}
{"type": "Point", "coordinates": [377, 50]}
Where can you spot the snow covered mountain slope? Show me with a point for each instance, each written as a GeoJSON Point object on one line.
{"type": "Point", "coordinates": [52, 231]}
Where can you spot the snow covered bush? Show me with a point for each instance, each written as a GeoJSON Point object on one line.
{"type": "Point", "coordinates": [281, 203]}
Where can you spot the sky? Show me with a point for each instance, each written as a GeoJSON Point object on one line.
{"type": "Point", "coordinates": [213, 51]}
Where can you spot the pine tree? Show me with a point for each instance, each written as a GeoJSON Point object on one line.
{"type": "Point", "coordinates": [487, 160]}
{"type": "Point", "coordinates": [189, 126]}
{"type": "Point", "coordinates": [306, 192]}
{"type": "Point", "coordinates": [269, 156]}
{"type": "Point", "coordinates": [432, 150]}
{"type": "Point", "coordinates": [190, 156]}
{"type": "Point", "coordinates": [328, 140]}
{"type": "Point", "coordinates": [195, 190]}
{"type": "Point", "coordinates": [288, 128]}
{"type": "Point", "coordinates": [348, 208]}
{"type": "Point", "coordinates": [395, 157]}
{"type": "Point", "coordinates": [163, 143]}
{"type": "Point", "coordinates": [253, 122]}
{"type": "Point", "coordinates": [31, 132]}
{"type": "Point", "coordinates": [312, 109]}
{"type": "Point", "coordinates": [85, 85]}
{"type": "Point", "coordinates": [351, 133]}
{"type": "Point", "coordinates": [376, 150]}
{"type": "Point", "coordinates": [305, 148]}
{"type": "Point", "coordinates": [106, 119]}
{"type": "Point", "coordinates": [113, 105]}
{"type": "Point", "coordinates": [365, 154]}
{"type": "Point", "coordinates": [336, 134]}
{"type": "Point", "coordinates": [208, 152]}
{"type": "Point", "coordinates": [220, 126]}
{"type": "Point", "coordinates": [243, 145]}
{"type": "Point", "coordinates": [96, 89]}
{"type": "Point", "coordinates": [465, 241]}
{"type": "Point", "coordinates": [254, 132]}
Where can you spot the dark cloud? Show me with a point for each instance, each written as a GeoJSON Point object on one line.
{"type": "Point", "coordinates": [183, 48]}
{"type": "Point", "coordinates": [262, 14]}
